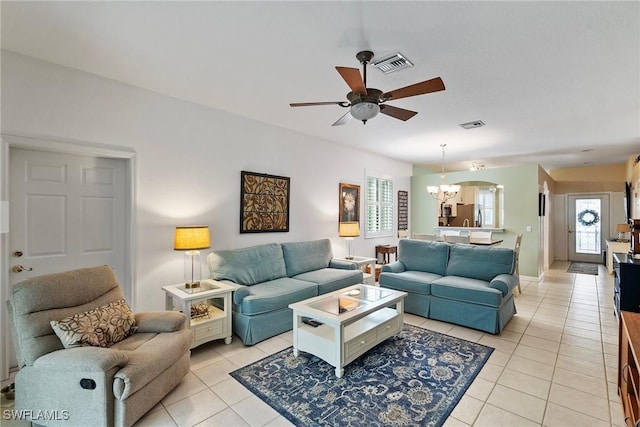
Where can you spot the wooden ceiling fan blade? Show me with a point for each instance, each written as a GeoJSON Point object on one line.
{"type": "Point", "coordinates": [427, 86]}
{"type": "Point", "coordinates": [311, 104]}
{"type": "Point", "coordinates": [343, 120]}
{"type": "Point", "coordinates": [397, 113]}
{"type": "Point", "coordinates": [353, 78]}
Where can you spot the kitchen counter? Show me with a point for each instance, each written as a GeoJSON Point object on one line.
{"type": "Point", "coordinates": [466, 230]}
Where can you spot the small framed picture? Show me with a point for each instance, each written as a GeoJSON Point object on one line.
{"type": "Point", "coordinates": [349, 203]}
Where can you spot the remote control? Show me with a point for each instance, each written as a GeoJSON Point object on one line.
{"type": "Point", "coordinates": [311, 322]}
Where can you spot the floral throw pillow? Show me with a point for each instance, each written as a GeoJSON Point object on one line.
{"type": "Point", "coordinates": [100, 327]}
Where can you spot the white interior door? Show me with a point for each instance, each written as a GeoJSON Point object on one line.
{"type": "Point", "coordinates": [66, 212]}
{"type": "Point", "coordinates": [587, 222]}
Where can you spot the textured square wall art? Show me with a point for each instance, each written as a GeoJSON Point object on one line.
{"type": "Point", "coordinates": [264, 203]}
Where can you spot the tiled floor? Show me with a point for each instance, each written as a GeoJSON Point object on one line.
{"type": "Point", "coordinates": [554, 365]}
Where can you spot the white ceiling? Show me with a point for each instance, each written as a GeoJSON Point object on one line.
{"type": "Point", "coordinates": [549, 79]}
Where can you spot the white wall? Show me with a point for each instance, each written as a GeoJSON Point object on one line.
{"type": "Point", "coordinates": [188, 162]}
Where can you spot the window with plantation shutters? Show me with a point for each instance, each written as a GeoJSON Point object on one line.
{"type": "Point", "coordinates": [486, 204]}
{"type": "Point", "coordinates": [379, 207]}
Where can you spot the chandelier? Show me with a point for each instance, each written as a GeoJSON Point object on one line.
{"type": "Point", "coordinates": [443, 192]}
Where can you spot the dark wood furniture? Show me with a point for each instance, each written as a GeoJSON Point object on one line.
{"type": "Point", "coordinates": [635, 237]}
{"type": "Point", "coordinates": [378, 270]}
{"type": "Point", "coordinates": [626, 286]}
{"type": "Point", "coordinates": [628, 379]}
{"type": "Point", "coordinates": [385, 250]}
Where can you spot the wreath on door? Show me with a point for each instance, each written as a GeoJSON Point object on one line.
{"type": "Point", "coordinates": [588, 217]}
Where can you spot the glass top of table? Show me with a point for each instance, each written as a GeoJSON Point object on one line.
{"type": "Point", "coordinates": [367, 293]}
{"type": "Point", "coordinates": [350, 299]}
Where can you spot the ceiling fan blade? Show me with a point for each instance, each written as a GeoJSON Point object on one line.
{"type": "Point", "coordinates": [311, 104]}
{"type": "Point", "coordinates": [343, 120]}
{"type": "Point", "coordinates": [397, 113]}
{"type": "Point", "coordinates": [427, 86]}
{"type": "Point", "coordinates": [353, 78]}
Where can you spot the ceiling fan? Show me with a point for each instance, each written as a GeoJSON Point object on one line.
{"type": "Point", "coordinates": [365, 102]}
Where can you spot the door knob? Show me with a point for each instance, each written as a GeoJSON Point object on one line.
{"type": "Point", "coordinates": [18, 268]}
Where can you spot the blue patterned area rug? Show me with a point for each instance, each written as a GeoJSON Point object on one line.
{"type": "Point", "coordinates": [413, 379]}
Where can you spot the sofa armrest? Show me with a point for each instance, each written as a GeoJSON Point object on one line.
{"type": "Point", "coordinates": [343, 265]}
{"type": "Point", "coordinates": [393, 267]}
{"type": "Point", "coordinates": [84, 359]}
{"type": "Point", "coordinates": [240, 293]}
{"type": "Point", "coordinates": [505, 283]}
{"type": "Point", "coordinates": [160, 321]}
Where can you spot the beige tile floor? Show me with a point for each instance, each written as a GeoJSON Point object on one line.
{"type": "Point", "coordinates": [553, 365]}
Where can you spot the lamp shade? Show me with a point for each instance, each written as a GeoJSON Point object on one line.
{"type": "Point", "coordinates": [191, 238]}
{"type": "Point", "coordinates": [349, 229]}
{"type": "Point", "coordinates": [623, 228]}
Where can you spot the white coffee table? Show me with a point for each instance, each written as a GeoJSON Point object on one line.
{"type": "Point", "coordinates": [353, 320]}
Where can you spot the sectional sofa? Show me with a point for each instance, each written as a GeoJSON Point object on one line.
{"type": "Point", "coordinates": [460, 283]}
{"type": "Point", "coordinates": [267, 278]}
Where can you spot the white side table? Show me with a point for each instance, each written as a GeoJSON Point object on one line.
{"type": "Point", "coordinates": [212, 322]}
{"type": "Point", "coordinates": [360, 262]}
{"type": "Point", "coordinates": [615, 246]}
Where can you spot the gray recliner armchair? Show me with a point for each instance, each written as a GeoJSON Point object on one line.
{"type": "Point", "coordinates": [91, 385]}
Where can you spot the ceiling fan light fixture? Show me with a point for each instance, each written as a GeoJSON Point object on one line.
{"type": "Point", "coordinates": [365, 110]}
{"type": "Point", "coordinates": [365, 102]}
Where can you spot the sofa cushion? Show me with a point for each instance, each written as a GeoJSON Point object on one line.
{"type": "Point", "coordinates": [101, 327]}
{"type": "Point", "coordinates": [331, 279]}
{"type": "Point", "coordinates": [465, 289]}
{"type": "Point", "coordinates": [275, 294]}
{"type": "Point", "coordinates": [300, 257]}
{"type": "Point", "coordinates": [420, 255]}
{"type": "Point", "coordinates": [248, 266]}
{"type": "Point", "coordinates": [418, 282]}
{"type": "Point", "coordinates": [480, 263]}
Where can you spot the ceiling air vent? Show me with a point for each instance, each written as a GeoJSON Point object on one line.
{"type": "Point", "coordinates": [472, 125]}
{"type": "Point", "coordinates": [392, 64]}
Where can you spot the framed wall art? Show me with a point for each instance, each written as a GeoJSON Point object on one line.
{"type": "Point", "coordinates": [264, 203]}
{"type": "Point", "coordinates": [403, 210]}
{"type": "Point", "coordinates": [349, 203]}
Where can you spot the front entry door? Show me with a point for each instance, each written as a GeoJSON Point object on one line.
{"type": "Point", "coordinates": [588, 227]}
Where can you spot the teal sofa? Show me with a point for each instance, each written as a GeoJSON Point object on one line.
{"type": "Point", "coordinates": [462, 284]}
{"type": "Point", "coordinates": [267, 278]}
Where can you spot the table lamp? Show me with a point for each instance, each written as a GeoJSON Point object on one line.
{"type": "Point", "coordinates": [191, 239]}
{"type": "Point", "coordinates": [622, 228]}
{"type": "Point", "coordinates": [349, 230]}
